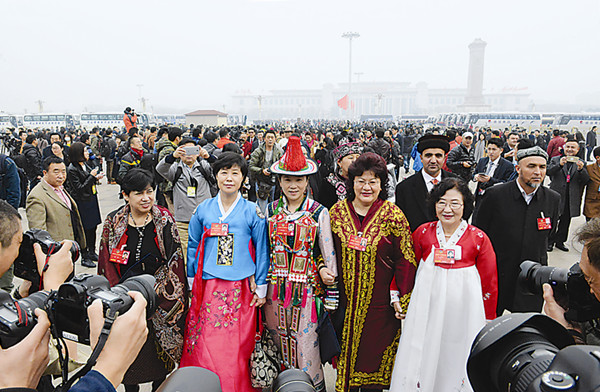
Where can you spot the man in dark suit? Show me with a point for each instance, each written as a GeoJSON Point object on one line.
{"type": "Point", "coordinates": [568, 176]}
{"type": "Point", "coordinates": [519, 216]}
{"type": "Point", "coordinates": [491, 170]}
{"type": "Point", "coordinates": [590, 141]}
{"type": "Point", "coordinates": [412, 192]}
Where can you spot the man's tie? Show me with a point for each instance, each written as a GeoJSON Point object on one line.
{"type": "Point", "coordinates": [435, 181]}
{"type": "Point", "coordinates": [489, 168]}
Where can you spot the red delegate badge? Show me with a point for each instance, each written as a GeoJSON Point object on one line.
{"type": "Point", "coordinates": [119, 256]}
{"type": "Point", "coordinates": [285, 228]}
{"type": "Point", "coordinates": [357, 243]}
{"type": "Point", "coordinates": [544, 224]}
{"type": "Point", "coordinates": [219, 229]}
{"type": "Point", "coordinates": [444, 256]}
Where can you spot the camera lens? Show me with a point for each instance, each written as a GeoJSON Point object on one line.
{"type": "Point", "coordinates": [143, 284]}
{"type": "Point", "coordinates": [533, 275]}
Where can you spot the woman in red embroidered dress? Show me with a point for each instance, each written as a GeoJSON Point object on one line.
{"type": "Point", "coordinates": [455, 292]}
{"type": "Point", "coordinates": [373, 244]}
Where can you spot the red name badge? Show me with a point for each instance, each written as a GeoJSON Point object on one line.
{"type": "Point", "coordinates": [544, 224]}
{"type": "Point", "coordinates": [219, 229]}
{"type": "Point", "coordinates": [285, 228]}
{"type": "Point", "coordinates": [119, 256]}
{"type": "Point", "coordinates": [358, 243]}
{"type": "Point", "coordinates": [444, 256]}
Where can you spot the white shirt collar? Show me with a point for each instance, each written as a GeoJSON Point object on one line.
{"type": "Point", "coordinates": [526, 196]}
{"type": "Point", "coordinates": [496, 161]}
{"type": "Point", "coordinates": [428, 178]}
{"type": "Point", "coordinates": [225, 214]}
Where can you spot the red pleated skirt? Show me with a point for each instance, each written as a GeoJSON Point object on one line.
{"type": "Point", "coordinates": [220, 331]}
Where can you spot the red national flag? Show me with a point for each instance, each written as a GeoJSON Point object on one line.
{"type": "Point", "coordinates": [343, 103]}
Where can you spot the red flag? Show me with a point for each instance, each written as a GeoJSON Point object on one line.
{"type": "Point", "coordinates": [343, 103]}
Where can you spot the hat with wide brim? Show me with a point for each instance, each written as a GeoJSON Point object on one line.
{"type": "Point", "coordinates": [293, 162]}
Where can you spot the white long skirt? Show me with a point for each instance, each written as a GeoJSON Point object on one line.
{"type": "Point", "coordinates": [444, 316]}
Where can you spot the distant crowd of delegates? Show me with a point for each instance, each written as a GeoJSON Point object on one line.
{"type": "Point", "coordinates": [322, 223]}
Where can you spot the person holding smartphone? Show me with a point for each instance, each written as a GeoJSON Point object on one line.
{"type": "Point", "coordinates": [191, 175]}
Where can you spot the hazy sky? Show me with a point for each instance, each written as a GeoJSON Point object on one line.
{"type": "Point", "coordinates": [76, 54]}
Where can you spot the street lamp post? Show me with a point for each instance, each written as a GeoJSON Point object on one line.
{"type": "Point", "coordinates": [350, 36]}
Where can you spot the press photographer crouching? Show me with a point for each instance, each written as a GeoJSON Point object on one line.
{"type": "Point", "coordinates": [530, 352]}
{"type": "Point", "coordinates": [24, 362]}
{"type": "Point", "coordinates": [584, 325]}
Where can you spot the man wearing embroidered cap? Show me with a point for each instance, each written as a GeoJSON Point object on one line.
{"type": "Point", "coordinates": [302, 259]}
{"type": "Point", "coordinates": [412, 192]}
{"type": "Point", "coordinates": [519, 216]}
{"type": "Point", "coordinates": [333, 187]}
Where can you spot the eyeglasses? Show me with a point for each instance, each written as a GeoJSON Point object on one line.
{"type": "Point", "coordinates": [372, 183]}
{"type": "Point", "coordinates": [442, 204]}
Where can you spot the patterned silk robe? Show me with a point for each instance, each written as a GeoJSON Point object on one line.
{"type": "Point", "coordinates": [368, 329]}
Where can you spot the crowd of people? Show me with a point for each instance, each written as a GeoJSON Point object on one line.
{"type": "Point", "coordinates": [405, 240]}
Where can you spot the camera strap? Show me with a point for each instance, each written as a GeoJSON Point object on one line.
{"type": "Point", "coordinates": [50, 251]}
{"type": "Point", "coordinates": [111, 316]}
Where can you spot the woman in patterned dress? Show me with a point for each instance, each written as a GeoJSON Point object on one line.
{"type": "Point", "coordinates": [228, 262]}
{"type": "Point", "coordinates": [302, 259]}
{"type": "Point", "coordinates": [373, 247]}
{"type": "Point", "coordinates": [142, 238]}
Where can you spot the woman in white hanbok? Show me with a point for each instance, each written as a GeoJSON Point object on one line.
{"type": "Point", "coordinates": [455, 291]}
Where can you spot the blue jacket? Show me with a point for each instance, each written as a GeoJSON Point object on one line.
{"type": "Point", "coordinates": [10, 184]}
{"type": "Point", "coordinates": [248, 232]}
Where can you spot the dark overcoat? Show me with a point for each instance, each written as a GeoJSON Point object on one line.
{"type": "Point", "coordinates": [578, 179]}
{"type": "Point", "coordinates": [512, 226]}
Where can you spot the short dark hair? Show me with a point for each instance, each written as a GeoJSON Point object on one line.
{"type": "Point", "coordinates": [589, 235]}
{"type": "Point", "coordinates": [223, 132]}
{"type": "Point", "coordinates": [187, 140]}
{"type": "Point", "coordinates": [444, 186]}
{"type": "Point", "coordinates": [596, 152]}
{"type": "Point", "coordinates": [174, 133]}
{"type": "Point", "coordinates": [49, 161]}
{"type": "Point", "coordinates": [229, 159]}
{"type": "Point", "coordinates": [365, 162]}
{"type": "Point", "coordinates": [496, 142]}
{"type": "Point", "coordinates": [161, 132]}
{"type": "Point", "coordinates": [136, 179]}
{"type": "Point", "coordinates": [9, 222]}
{"type": "Point", "coordinates": [511, 134]}
{"type": "Point", "coordinates": [55, 134]}
{"type": "Point", "coordinates": [133, 131]}
{"type": "Point", "coordinates": [84, 138]}
{"type": "Point", "coordinates": [76, 152]}
{"type": "Point", "coordinates": [210, 136]}
{"type": "Point", "coordinates": [29, 139]}
{"type": "Point", "coordinates": [232, 147]}
{"type": "Point", "coordinates": [524, 143]}
{"type": "Point", "coordinates": [270, 130]}
{"type": "Point", "coordinates": [556, 132]}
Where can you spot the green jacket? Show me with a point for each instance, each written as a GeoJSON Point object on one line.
{"type": "Point", "coordinates": [258, 163]}
{"type": "Point", "coordinates": [165, 147]}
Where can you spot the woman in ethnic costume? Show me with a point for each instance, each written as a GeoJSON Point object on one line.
{"type": "Point", "coordinates": [228, 261]}
{"type": "Point", "coordinates": [373, 246]}
{"type": "Point", "coordinates": [456, 290]}
{"type": "Point", "coordinates": [142, 238]}
{"type": "Point", "coordinates": [302, 258]}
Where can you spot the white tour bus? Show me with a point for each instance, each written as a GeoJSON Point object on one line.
{"type": "Point", "coordinates": [576, 121]}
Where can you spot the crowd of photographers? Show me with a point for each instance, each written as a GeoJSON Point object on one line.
{"type": "Point", "coordinates": [498, 164]}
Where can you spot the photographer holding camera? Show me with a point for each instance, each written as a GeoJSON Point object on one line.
{"type": "Point", "coordinates": [23, 364]}
{"type": "Point", "coordinates": [585, 332]}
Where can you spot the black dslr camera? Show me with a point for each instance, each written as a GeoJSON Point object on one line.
{"type": "Point", "coordinates": [67, 307]}
{"type": "Point", "coordinates": [570, 288]}
{"type": "Point", "coordinates": [26, 264]}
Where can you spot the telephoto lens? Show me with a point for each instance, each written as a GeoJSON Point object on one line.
{"type": "Point", "coordinates": [17, 318]}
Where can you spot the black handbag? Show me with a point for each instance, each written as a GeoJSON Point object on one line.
{"type": "Point", "coordinates": [329, 346]}
{"type": "Point", "coordinates": [264, 360]}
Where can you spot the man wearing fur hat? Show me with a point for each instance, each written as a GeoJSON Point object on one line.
{"type": "Point", "coordinates": [519, 216]}
{"type": "Point", "coordinates": [411, 194]}
{"type": "Point", "coordinates": [333, 187]}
